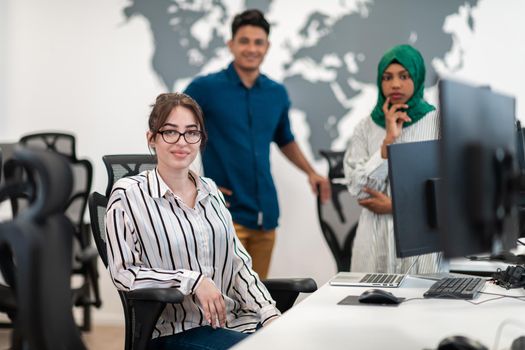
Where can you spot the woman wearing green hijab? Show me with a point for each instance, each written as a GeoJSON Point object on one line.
{"type": "Point", "coordinates": [401, 115]}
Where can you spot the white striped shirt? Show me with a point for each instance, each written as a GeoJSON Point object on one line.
{"type": "Point", "coordinates": [374, 244]}
{"type": "Point", "coordinates": [156, 240]}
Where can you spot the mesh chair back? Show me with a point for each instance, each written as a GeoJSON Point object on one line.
{"type": "Point", "coordinates": [60, 143]}
{"type": "Point", "coordinates": [124, 165]}
{"type": "Point", "coordinates": [339, 216]}
{"type": "Point", "coordinates": [97, 214]}
{"type": "Point", "coordinates": [64, 144]}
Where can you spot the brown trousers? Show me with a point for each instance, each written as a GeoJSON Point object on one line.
{"type": "Point", "coordinates": [259, 244]}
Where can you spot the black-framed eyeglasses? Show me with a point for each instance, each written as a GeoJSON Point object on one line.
{"type": "Point", "coordinates": [173, 136]}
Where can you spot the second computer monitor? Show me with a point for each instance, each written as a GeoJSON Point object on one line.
{"type": "Point", "coordinates": [478, 168]}
{"type": "Point", "coordinates": [414, 183]}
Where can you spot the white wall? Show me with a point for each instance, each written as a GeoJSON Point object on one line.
{"type": "Point", "coordinates": [76, 66]}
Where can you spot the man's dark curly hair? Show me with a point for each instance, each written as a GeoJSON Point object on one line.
{"type": "Point", "coordinates": [252, 17]}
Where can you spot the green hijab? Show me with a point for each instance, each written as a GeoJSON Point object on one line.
{"type": "Point", "coordinates": [413, 62]}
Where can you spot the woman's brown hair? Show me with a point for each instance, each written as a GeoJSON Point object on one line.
{"type": "Point", "coordinates": [163, 106]}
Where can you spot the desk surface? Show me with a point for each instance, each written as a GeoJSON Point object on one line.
{"type": "Point", "coordinates": [464, 265]}
{"type": "Point", "coordinates": [319, 323]}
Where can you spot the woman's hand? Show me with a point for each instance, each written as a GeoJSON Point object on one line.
{"type": "Point", "coordinates": [321, 184]}
{"type": "Point", "coordinates": [394, 119]}
{"type": "Point", "coordinates": [378, 202]}
{"type": "Point", "coordinates": [269, 321]}
{"type": "Point", "coordinates": [212, 302]}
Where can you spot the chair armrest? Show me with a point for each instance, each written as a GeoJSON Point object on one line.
{"type": "Point", "coordinates": [164, 295]}
{"type": "Point", "coordinates": [7, 299]}
{"type": "Point", "coordinates": [299, 285]}
{"type": "Point", "coordinates": [143, 308]}
{"type": "Point", "coordinates": [88, 254]}
{"type": "Point", "coordinates": [285, 290]}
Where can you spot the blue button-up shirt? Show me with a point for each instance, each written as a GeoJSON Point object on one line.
{"type": "Point", "coordinates": [242, 123]}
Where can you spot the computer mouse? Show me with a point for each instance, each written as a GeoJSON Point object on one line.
{"type": "Point", "coordinates": [459, 342]}
{"type": "Point", "coordinates": [518, 343]}
{"type": "Point", "coordinates": [378, 296]}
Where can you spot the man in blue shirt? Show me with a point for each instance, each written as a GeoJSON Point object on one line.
{"type": "Point", "coordinates": [244, 112]}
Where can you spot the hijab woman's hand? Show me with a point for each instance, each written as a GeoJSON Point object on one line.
{"type": "Point", "coordinates": [394, 119]}
{"type": "Point", "coordinates": [378, 202]}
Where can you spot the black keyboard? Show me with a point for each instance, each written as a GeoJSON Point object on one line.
{"type": "Point", "coordinates": [456, 288]}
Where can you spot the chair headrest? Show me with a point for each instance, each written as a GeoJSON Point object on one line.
{"type": "Point", "coordinates": [54, 141]}
{"type": "Point", "coordinates": [52, 177]}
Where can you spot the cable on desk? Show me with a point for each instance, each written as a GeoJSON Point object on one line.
{"type": "Point", "coordinates": [498, 296]}
{"type": "Point", "coordinates": [521, 298]}
{"type": "Point", "coordinates": [485, 301]}
{"type": "Point", "coordinates": [520, 241]}
{"type": "Point", "coordinates": [455, 297]}
{"type": "Point", "coordinates": [411, 299]}
{"type": "Point", "coordinates": [470, 301]}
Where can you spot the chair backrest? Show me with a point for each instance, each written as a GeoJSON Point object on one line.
{"type": "Point", "coordinates": [64, 144]}
{"type": "Point", "coordinates": [61, 143]}
{"type": "Point", "coordinates": [335, 163]}
{"type": "Point", "coordinates": [338, 218]}
{"type": "Point", "coordinates": [97, 212]}
{"type": "Point", "coordinates": [40, 240]}
{"type": "Point", "coordinates": [124, 165]}
{"type": "Point", "coordinates": [117, 166]}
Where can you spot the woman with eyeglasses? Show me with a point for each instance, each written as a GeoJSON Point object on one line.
{"type": "Point", "coordinates": [170, 228]}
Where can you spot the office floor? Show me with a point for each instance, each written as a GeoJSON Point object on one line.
{"type": "Point", "coordinates": [100, 338]}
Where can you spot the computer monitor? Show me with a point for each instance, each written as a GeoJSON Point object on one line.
{"type": "Point", "coordinates": [520, 153]}
{"type": "Point", "coordinates": [478, 163]}
{"type": "Point", "coordinates": [413, 170]}
{"type": "Point", "coordinates": [520, 147]}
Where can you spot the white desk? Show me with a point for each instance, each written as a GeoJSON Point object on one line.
{"type": "Point", "coordinates": [319, 323]}
{"type": "Point", "coordinates": [464, 265]}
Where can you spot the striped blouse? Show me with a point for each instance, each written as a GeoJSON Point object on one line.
{"type": "Point", "coordinates": [374, 244]}
{"type": "Point", "coordinates": [155, 240]}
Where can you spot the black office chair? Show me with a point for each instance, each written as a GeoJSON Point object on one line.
{"type": "Point", "coordinates": [36, 256]}
{"type": "Point", "coordinates": [13, 187]}
{"type": "Point", "coordinates": [87, 294]}
{"type": "Point", "coordinates": [143, 307]}
{"type": "Point", "coordinates": [339, 217]}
